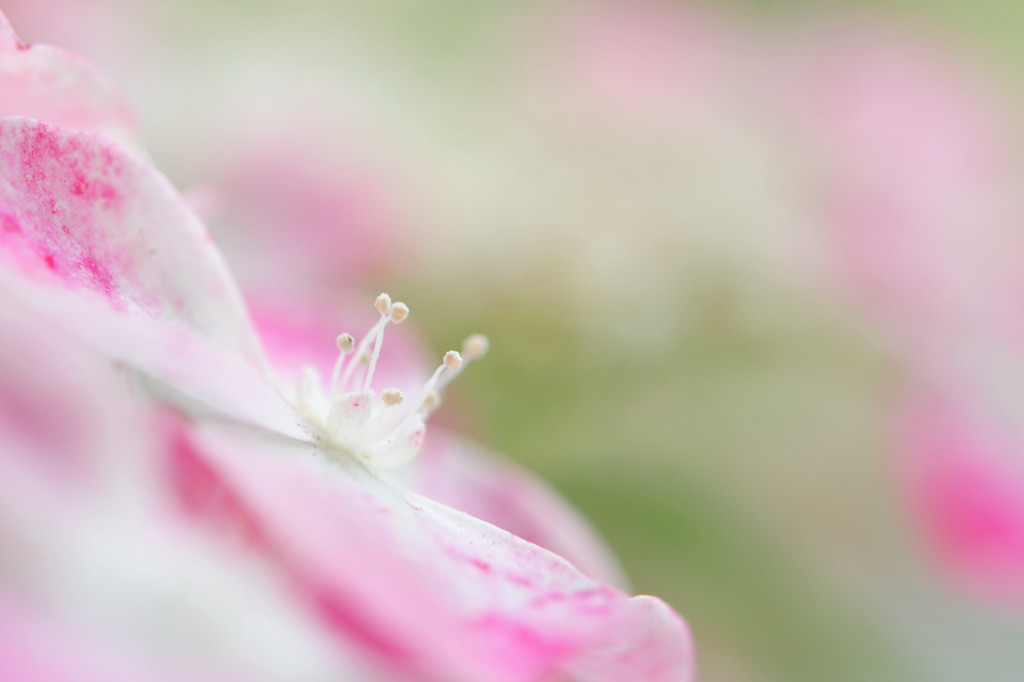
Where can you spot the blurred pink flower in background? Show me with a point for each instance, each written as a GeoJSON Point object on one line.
{"type": "Point", "coordinates": [648, 66]}
{"type": "Point", "coordinates": [347, 570]}
{"type": "Point", "coordinates": [294, 212]}
{"type": "Point", "coordinates": [923, 231]}
{"type": "Point", "coordinates": [965, 472]}
{"type": "Point", "coordinates": [917, 174]}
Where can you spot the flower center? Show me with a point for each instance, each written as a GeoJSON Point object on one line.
{"type": "Point", "coordinates": [384, 431]}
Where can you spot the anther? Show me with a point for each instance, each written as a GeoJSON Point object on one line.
{"type": "Point", "coordinates": [475, 346]}
{"type": "Point", "coordinates": [392, 396]}
{"type": "Point", "coordinates": [383, 304]}
{"type": "Point", "coordinates": [399, 311]}
{"type": "Point", "coordinates": [432, 401]}
{"type": "Point", "coordinates": [346, 343]}
{"type": "Point", "coordinates": [452, 359]}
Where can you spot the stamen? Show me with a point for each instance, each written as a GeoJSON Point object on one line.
{"type": "Point", "coordinates": [383, 304]}
{"type": "Point", "coordinates": [399, 312]}
{"type": "Point", "coordinates": [450, 362]}
{"type": "Point", "coordinates": [346, 343]}
{"type": "Point", "coordinates": [372, 365]}
{"type": "Point", "coordinates": [432, 401]}
{"type": "Point", "coordinates": [351, 418]}
{"type": "Point", "coordinates": [428, 387]}
{"type": "Point", "coordinates": [452, 359]}
{"type": "Point", "coordinates": [339, 383]}
{"type": "Point", "coordinates": [391, 313]}
{"type": "Point", "coordinates": [475, 346]}
{"type": "Point", "coordinates": [392, 397]}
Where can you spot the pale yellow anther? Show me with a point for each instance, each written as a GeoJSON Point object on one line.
{"type": "Point", "coordinates": [346, 343]}
{"type": "Point", "coordinates": [392, 397]}
{"type": "Point", "coordinates": [452, 359]}
{"type": "Point", "coordinates": [475, 346]}
{"type": "Point", "coordinates": [432, 401]}
{"type": "Point", "coordinates": [399, 311]}
{"type": "Point", "coordinates": [364, 359]}
{"type": "Point", "coordinates": [383, 304]}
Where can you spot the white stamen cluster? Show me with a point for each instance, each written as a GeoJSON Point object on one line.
{"type": "Point", "coordinates": [350, 417]}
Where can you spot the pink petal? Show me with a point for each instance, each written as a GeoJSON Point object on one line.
{"type": "Point", "coordinates": [462, 475]}
{"type": "Point", "coordinates": [297, 333]}
{"type": "Point", "coordinates": [99, 243]}
{"type": "Point", "coordinates": [427, 591]}
{"type": "Point", "coordinates": [64, 416]}
{"type": "Point", "coordinates": [966, 476]}
{"type": "Point", "coordinates": [51, 85]}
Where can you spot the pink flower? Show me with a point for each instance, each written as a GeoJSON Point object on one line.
{"type": "Point", "coordinates": [924, 234]}
{"type": "Point", "coordinates": [338, 564]}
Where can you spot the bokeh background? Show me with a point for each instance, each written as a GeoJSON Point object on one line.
{"type": "Point", "coordinates": [637, 203]}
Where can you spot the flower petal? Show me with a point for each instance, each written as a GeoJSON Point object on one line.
{"type": "Point", "coordinates": [299, 333]}
{"type": "Point", "coordinates": [428, 591]}
{"type": "Point", "coordinates": [99, 243]}
{"type": "Point", "coordinates": [51, 85]}
{"type": "Point", "coordinates": [464, 476]}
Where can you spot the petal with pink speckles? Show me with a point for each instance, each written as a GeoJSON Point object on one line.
{"type": "Point", "coordinates": [51, 85]}
{"type": "Point", "coordinates": [427, 591]}
{"type": "Point", "coordinates": [98, 242]}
